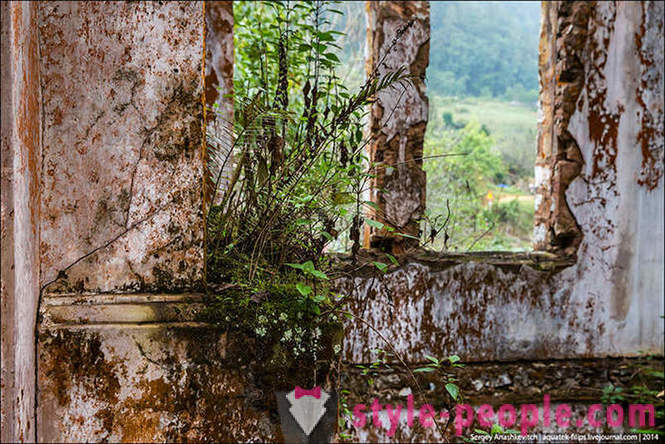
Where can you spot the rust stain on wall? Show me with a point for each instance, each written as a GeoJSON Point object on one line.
{"type": "Point", "coordinates": [651, 134]}
{"type": "Point", "coordinates": [166, 383]}
{"type": "Point", "coordinates": [473, 308]}
{"type": "Point", "coordinates": [603, 123]}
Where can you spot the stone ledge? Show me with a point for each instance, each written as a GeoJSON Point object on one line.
{"type": "Point", "coordinates": [57, 299]}
{"type": "Point", "coordinates": [89, 310]}
{"type": "Point", "coordinates": [121, 310]}
{"type": "Point", "coordinates": [437, 261]}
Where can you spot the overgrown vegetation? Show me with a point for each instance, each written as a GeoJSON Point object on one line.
{"type": "Point", "coordinates": [289, 175]}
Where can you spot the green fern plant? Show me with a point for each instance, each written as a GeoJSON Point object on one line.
{"type": "Point", "coordinates": [290, 169]}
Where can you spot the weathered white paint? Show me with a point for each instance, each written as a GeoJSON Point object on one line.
{"type": "Point", "coordinates": [123, 167]}
{"type": "Point", "coordinates": [610, 302]}
{"type": "Point", "coordinates": [21, 155]}
{"type": "Point", "coordinates": [621, 256]}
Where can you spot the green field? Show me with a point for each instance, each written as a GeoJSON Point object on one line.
{"type": "Point", "coordinates": [511, 124]}
{"type": "Point", "coordinates": [490, 211]}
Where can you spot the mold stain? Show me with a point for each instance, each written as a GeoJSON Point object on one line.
{"type": "Point", "coordinates": [187, 389]}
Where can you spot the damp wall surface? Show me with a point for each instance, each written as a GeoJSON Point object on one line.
{"type": "Point", "coordinates": [102, 221]}
{"type": "Point", "coordinates": [609, 302]}
{"type": "Point", "coordinates": [137, 369]}
{"type": "Point", "coordinates": [122, 165]}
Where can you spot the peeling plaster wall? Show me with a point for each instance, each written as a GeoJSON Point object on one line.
{"type": "Point", "coordinates": [564, 28]}
{"type": "Point", "coordinates": [122, 207]}
{"type": "Point", "coordinates": [19, 217]}
{"type": "Point", "coordinates": [618, 197]}
{"type": "Point", "coordinates": [478, 310]}
{"type": "Point", "coordinates": [147, 377]}
{"type": "Point", "coordinates": [398, 118]}
{"type": "Point", "coordinates": [610, 302]}
{"type": "Point", "coordinates": [122, 160]}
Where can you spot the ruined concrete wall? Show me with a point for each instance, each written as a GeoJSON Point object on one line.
{"type": "Point", "coordinates": [122, 211]}
{"type": "Point", "coordinates": [581, 50]}
{"type": "Point", "coordinates": [122, 87]}
{"type": "Point", "coordinates": [19, 217]}
{"type": "Point", "coordinates": [617, 199]}
{"type": "Point", "coordinates": [609, 301]}
{"type": "Point", "coordinates": [563, 37]}
{"type": "Point", "coordinates": [480, 307]}
{"type": "Point", "coordinates": [123, 204]}
{"type": "Point", "coordinates": [118, 185]}
{"type": "Point", "coordinates": [398, 119]}
{"type": "Point", "coordinates": [137, 368]}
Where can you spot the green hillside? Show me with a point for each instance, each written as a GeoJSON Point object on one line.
{"type": "Point", "coordinates": [484, 48]}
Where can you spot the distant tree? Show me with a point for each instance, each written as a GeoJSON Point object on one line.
{"type": "Point", "coordinates": [483, 49]}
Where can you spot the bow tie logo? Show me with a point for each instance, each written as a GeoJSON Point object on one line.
{"type": "Point", "coordinates": [307, 408]}
{"type": "Point", "coordinates": [315, 392]}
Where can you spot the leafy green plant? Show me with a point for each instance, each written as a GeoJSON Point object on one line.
{"type": "Point", "coordinates": [381, 362]}
{"type": "Point", "coordinates": [439, 365]}
{"type": "Point", "coordinates": [345, 415]}
{"type": "Point", "coordinates": [298, 147]}
{"type": "Point", "coordinates": [646, 386]}
{"type": "Point", "coordinates": [612, 394]}
{"type": "Point", "coordinates": [497, 429]}
{"type": "Point", "coordinates": [287, 177]}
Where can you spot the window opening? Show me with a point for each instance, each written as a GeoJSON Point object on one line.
{"type": "Point", "coordinates": [480, 144]}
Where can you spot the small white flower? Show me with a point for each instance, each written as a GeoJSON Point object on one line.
{"type": "Point", "coordinates": [283, 317]}
{"type": "Point", "coordinates": [261, 331]}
